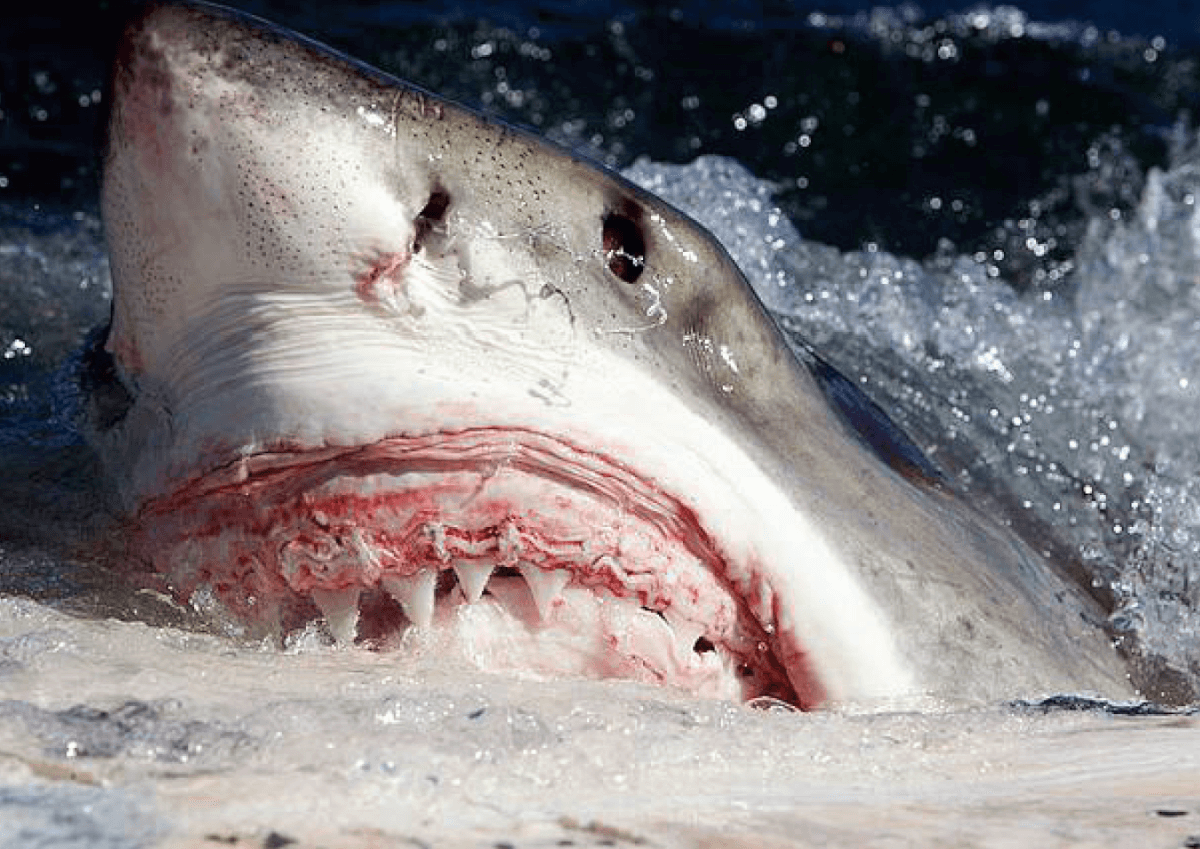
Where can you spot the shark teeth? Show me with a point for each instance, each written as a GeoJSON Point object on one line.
{"type": "Point", "coordinates": [418, 594]}
{"type": "Point", "coordinates": [415, 593]}
{"type": "Point", "coordinates": [473, 578]}
{"type": "Point", "coordinates": [340, 608]}
{"type": "Point", "coordinates": [544, 585]}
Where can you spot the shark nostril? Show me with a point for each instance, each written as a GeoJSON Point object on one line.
{"type": "Point", "coordinates": [430, 216]}
{"type": "Point", "coordinates": [624, 246]}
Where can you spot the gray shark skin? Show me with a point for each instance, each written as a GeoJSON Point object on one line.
{"type": "Point", "coordinates": [382, 361]}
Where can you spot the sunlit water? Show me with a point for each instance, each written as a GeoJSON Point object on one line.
{"type": "Point", "coordinates": [1049, 367]}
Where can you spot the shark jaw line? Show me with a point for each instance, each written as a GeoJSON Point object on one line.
{"type": "Point", "coordinates": [576, 564]}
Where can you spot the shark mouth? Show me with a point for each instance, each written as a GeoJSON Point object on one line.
{"type": "Point", "coordinates": [516, 549]}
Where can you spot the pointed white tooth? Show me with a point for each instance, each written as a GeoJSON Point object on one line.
{"type": "Point", "coordinates": [545, 586]}
{"type": "Point", "coordinates": [415, 594]}
{"type": "Point", "coordinates": [686, 630]}
{"type": "Point", "coordinates": [340, 608]}
{"type": "Point", "coordinates": [473, 578]}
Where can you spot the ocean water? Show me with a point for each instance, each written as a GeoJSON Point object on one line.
{"type": "Point", "coordinates": [987, 218]}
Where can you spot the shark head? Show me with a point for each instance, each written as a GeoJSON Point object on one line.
{"type": "Point", "coordinates": [378, 359]}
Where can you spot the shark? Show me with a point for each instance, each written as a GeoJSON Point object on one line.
{"type": "Point", "coordinates": [381, 365]}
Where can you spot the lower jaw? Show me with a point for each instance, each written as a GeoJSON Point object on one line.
{"type": "Point", "coordinates": [503, 566]}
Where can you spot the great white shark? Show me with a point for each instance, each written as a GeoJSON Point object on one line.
{"type": "Point", "coordinates": [378, 359]}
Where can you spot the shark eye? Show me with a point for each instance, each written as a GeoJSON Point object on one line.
{"type": "Point", "coordinates": [624, 247]}
{"type": "Point", "coordinates": [431, 215]}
